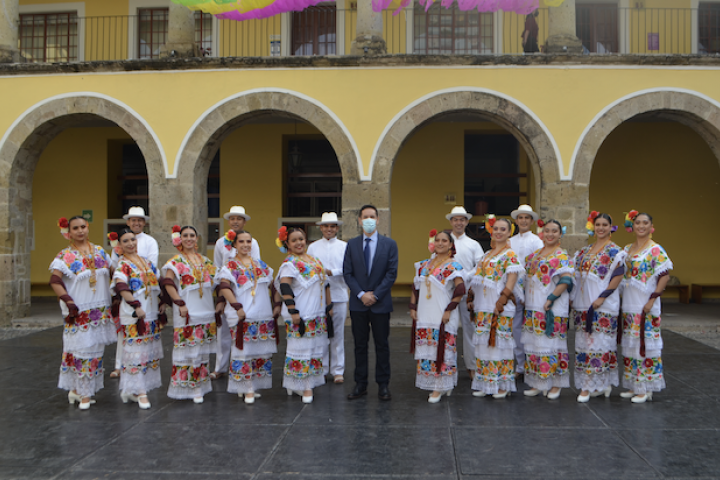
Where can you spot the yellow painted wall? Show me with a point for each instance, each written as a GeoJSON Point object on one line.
{"type": "Point", "coordinates": [668, 171]}
{"type": "Point", "coordinates": [71, 176]}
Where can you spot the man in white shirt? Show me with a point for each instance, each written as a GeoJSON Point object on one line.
{"type": "Point", "coordinates": [147, 248]}
{"type": "Point", "coordinates": [331, 253]}
{"type": "Point", "coordinates": [468, 253]}
{"type": "Point", "coordinates": [223, 252]}
{"type": "Point", "coordinates": [523, 244]}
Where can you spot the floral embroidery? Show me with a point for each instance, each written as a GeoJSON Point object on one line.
{"type": "Point", "coordinates": [428, 368]}
{"type": "Point", "coordinates": [595, 363]}
{"type": "Point", "coordinates": [546, 366]}
{"type": "Point", "coordinates": [141, 367]}
{"type": "Point", "coordinates": [184, 270]}
{"type": "Point", "coordinates": [243, 274]}
{"type": "Point", "coordinates": [441, 273]}
{"type": "Point", "coordinates": [243, 370]}
{"type": "Point", "coordinates": [82, 367]}
{"type": "Point", "coordinates": [495, 268]}
{"type": "Point", "coordinates": [495, 371]}
{"type": "Point", "coordinates": [483, 320]}
{"type": "Point", "coordinates": [256, 331]}
{"type": "Point", "coordinates": [535, 323]}
{"type": "Point", "coordinates": [644, 265]}
{"type": "Point", "coordinates": [307, 270]}
{"type": "Point", "coordinates": [632, 322]}
{"type": "Point", "coordinates": [430, 337]}
{"type": "Point", "coordinates": [545, 268]}
{"type": "Point", "coordinates": [136, 278]}
{"type": "Point", "coordinates": [603, 322]}
{"type": "Point", "coordinates": [95, 317]}
{"type": "Point", "coordinates": [77, 264]}
{"type": "Point", "coordinates": [303, 368]}
{"type": "Point", "coordinates": [130, 333]}
{"type": "Point", "coordinates": [313, 327]}
{"type": "Point", "coordinates": [188, 376]}
{"type": "Point", "coordinates": [192, 335]}
{"type": "Point", "coordinates": [598, 265]}
{"type": "Point", "coordinates": [648, 369]}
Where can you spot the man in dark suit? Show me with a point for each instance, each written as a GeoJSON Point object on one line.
{"type": "Point", "coordinates": [370, 269]}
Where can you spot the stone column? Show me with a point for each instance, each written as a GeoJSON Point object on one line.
{"type": "Point", "coordinates": [369, 37]}
{"type": "Point", "coordinates": [181, 33]}
{"type": "Point", "coordinates": [567, 202]}
{"type": "Point", "coordinates": [355, 196]}
{"type": "Point", "coordinates": [562, 36]}
{"type": "Point", "coordinates": [9, 22]}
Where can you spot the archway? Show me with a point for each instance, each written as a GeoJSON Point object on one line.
{"type": "Point", "coordinates": [20, 150]}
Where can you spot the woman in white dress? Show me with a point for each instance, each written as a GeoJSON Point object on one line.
{"type": "Point", "coordinates": [547, 286]}
{"type": "Point", "coordinates": [495, 291]}
{"type": "Point", "coordinates": [251, 312]}
{"type": "Point", "coordinates": [647, 268]}
{"type": "Point", "coordinates": [307, 304]}
{"type": "Point", "coordinates": [188, 279]}
{"type": "Point", "coordinates": [81, 280]}
{"type": "Point", "coordinates": [595, 307]}
{"type": "Point", "coordinates": [136, 281]}
{"type": "Point", "coordinates": [438, 289]}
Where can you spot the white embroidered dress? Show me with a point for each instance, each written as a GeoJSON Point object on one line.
{"type": "Point", "coordinates": [596, 351]}
{"type": "Point", "coordinates": [495, 369]}
{"type": "Point", "coordinates": [304, 356]}
{"type": "Point", "coordinates": [141, 354]}
{"type": "Point", "coordinates": [439, 285]}
{"type": "Point", "coordinates": [84, 341]}
{"type": "Point", "coordinates": [643, 373]}
{"type": "Point", "coordinates": [193, 338]}
{"type": "Point", "coordinates": [251, 367]}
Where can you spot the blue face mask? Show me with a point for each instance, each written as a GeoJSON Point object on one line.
{"type": "Point", "coordinates": [369, 225]}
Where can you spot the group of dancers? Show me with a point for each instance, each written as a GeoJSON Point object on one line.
{"type": "Point", "coordinates": [513, 302]}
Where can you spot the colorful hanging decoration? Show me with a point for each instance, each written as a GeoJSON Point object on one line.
{"type": "Point", "coordinates": [521, 7]}
{"type": "Point", "coordinates": [247, 9]}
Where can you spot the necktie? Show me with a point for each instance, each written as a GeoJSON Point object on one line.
{"type": "Point", "coordinates": [367, 255]}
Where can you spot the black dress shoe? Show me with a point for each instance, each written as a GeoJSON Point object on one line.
{"type": "Point", "coordinates": [384, 393]}
{"type": "Point", "coordinates": [357, 392]}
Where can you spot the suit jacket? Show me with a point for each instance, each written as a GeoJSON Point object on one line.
{"type": "Point", "coordinates": [382, 276]}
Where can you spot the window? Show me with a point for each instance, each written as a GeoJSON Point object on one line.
{"type": "Point", "coordinates": [204, 33]}
{"type": "Point", "coordinates": [314, 179]}
{"type": "Point", "coordinates": [49, 37]}
{"type": "Point", "coordinates": [313, 31]}
{"type": "Point", "coordinates": [152, 31]}
{"type": "Point", "coordinates": [444, 31]}
{"type": "Point", "coordinates": [709, 28]}
{"type": "Point", "coordinates": [597, 27]}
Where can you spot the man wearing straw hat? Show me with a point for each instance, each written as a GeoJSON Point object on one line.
{"type": "Point", "coordinates": [147, 248]}
{"type": "Point", "coordinates": [523, 244]}
{"type": "Point", "coordinates": [236, 218]}
{"type": "Point", "coordinates": [468, 253]}
{"type": "Point", "coordinates": [331, 253]}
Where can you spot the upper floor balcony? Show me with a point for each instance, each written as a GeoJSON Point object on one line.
{"type": "Point", "coordinates": [64, 33]}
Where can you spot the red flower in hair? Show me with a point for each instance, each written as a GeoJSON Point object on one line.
{"type": "Point", "coordinates": [632, 214]}
{"type": "Point", "coordinates": [112, 236]}
{"type": "Point", "coordinates": [63, 222]}
{"type": "Point", "coordinates": [433, 232]}
{"type": "Point", "coordinates": [593, 215]}
{"type": "Point", "coordinates": [541, 224]}
{"type": "Point", "coordinates": [176, 229]}
{"type": "Point", "coordinates": [231, 235]}
{"type": "Point", "coordinates": [282, 233]}
{"type": "Point", "coordinates": [491, 222]}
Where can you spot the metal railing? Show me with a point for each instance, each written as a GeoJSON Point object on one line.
{"type": "Point", "coordinates": [605, 30]}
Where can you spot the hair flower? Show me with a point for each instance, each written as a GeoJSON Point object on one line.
{"type": "Point", "coordinates": [113, 238]}
{"type": "Point", "coordinates": [490, 222]}
{"type": "Point", "coordinates": [64, 227]}
{"type": "Point", "coordinates": [629, 219]}
{"type": "Point", "coordinates": [176, 240]}
{"type": "Point", "coordinates": [431, 240]}
{"type": "Point", "coordinates": [590, 225]}
{"type": "Point", "coordinates": [281, 239]}
{"type": "Point", "coordinates": [229, 239]}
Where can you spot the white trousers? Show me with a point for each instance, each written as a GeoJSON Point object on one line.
{"type": "Point", "coordinates": [468, 328]}
{"type": "Point", "coordinates": [334, 358]}
{"type": "Point", "coordinates": [224, 346]}
{"type": "Point", "coordinates": [119, 351]}
{"type": "Point", "coordinates": [517, 335]}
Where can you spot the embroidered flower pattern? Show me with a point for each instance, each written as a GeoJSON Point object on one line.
{"type": "Point", "coordinates": [185, 270]}
{"type": "Point", "coordinates": [546, 268]}
{"type": "Point", "coordinates": [429, 368]}
{"type": "Point", "coordinates": [594, 363]}
{"type": "Point", "coordinates": [77, 264]}
{"type": "Point", "coordinates": [546, 366]}
{"type": "Point", "coordinates": [256, 331]}
{"type": "Point", "coordinates": [495, 269]}
{"type": "Point", "coordinates": [82, 367]}
{"type": "Point", "coordinates": [300, 369]}
{"type": "Point", "coordinates": [495, 371]}
{"type": "Point", "coordinates": [535, 323]}
{"type": "Point", "coordinates": [94, 317]}
{"type": "Point", "coordinates": [603, 323]}
{"type": "Point", "coordinates": [598, 265]}
{"type": "Point", "coordinates": [313, 327]}
{"type": "Point", "coordinates": [141, 367]}
{"type": "Point", "coordinates": [483, 320]}
{"type": "Point", "coordinates": [152, 334]}
{"type": "Point", "coordinates": [136, 278]}
{"type": "Point", "coordinates": [430, 337]}
{"type": "Point", "coordinates": [243, 274]}
{"type": "Point", "coordinates": [307, 270]}
{"type": "Point", "coordinates": [241, 370]}
{"type": "Point", "coordinates": [440, 274]}
{"type": "Point", "coordinates": [192, 335]}
{"type": "Point", "coordinates": [645, 264]}
{"type": "Point", "coordinates": [188, 376]}
{"type": "Point", "coordinates": [633, 321]}
{"type": "Point", "coordinates": [648, 369]}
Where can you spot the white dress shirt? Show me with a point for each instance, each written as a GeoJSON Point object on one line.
{"type": "Point", "coordinates": [372, 245]}
{"type": "Point", "coordinates": [523, 244]}
{"type": "Point", "coordinates": [332, 255]}
{"type": "Point", "coordinates": [147, 248]}
{"type": "Point", "coordinates": [468, 253]}
{"type": "Point", "coordinates": [222, 255]}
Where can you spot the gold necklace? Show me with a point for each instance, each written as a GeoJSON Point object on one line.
{"type": "Point", "coordinates": [90, 257]}
{"type": "Point", "coordinates": [252, 269]}
{"type": "Point", "coordinates": [197, 269]}
{"type": "Point", "coordinates": [586, 263]}
{"type": "Point", "coordinates": [143, 266]}
{"type": "Point", "coordinates": [434, 263]}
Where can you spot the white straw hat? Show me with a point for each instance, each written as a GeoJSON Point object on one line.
{"type": "Point", "coordinates": [236, 211]}
{"type": "Point", "coordinates": [136, 212]}
{"type": "Point", "coordinates": [329, 218]}
{"type": "Point", "coordinates": [527, 209]}
{"type": "Point", "coordinates": [458, 212]}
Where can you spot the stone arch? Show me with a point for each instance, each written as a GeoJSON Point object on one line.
{"type": "Point", "coordinates": [20, 150]}
{"type": "Point", "coordinates": [207, 134]}
{"type": "Point", "coordinates": [690, 108]}
{"type": "Point", "coordinates": [503, 110]}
